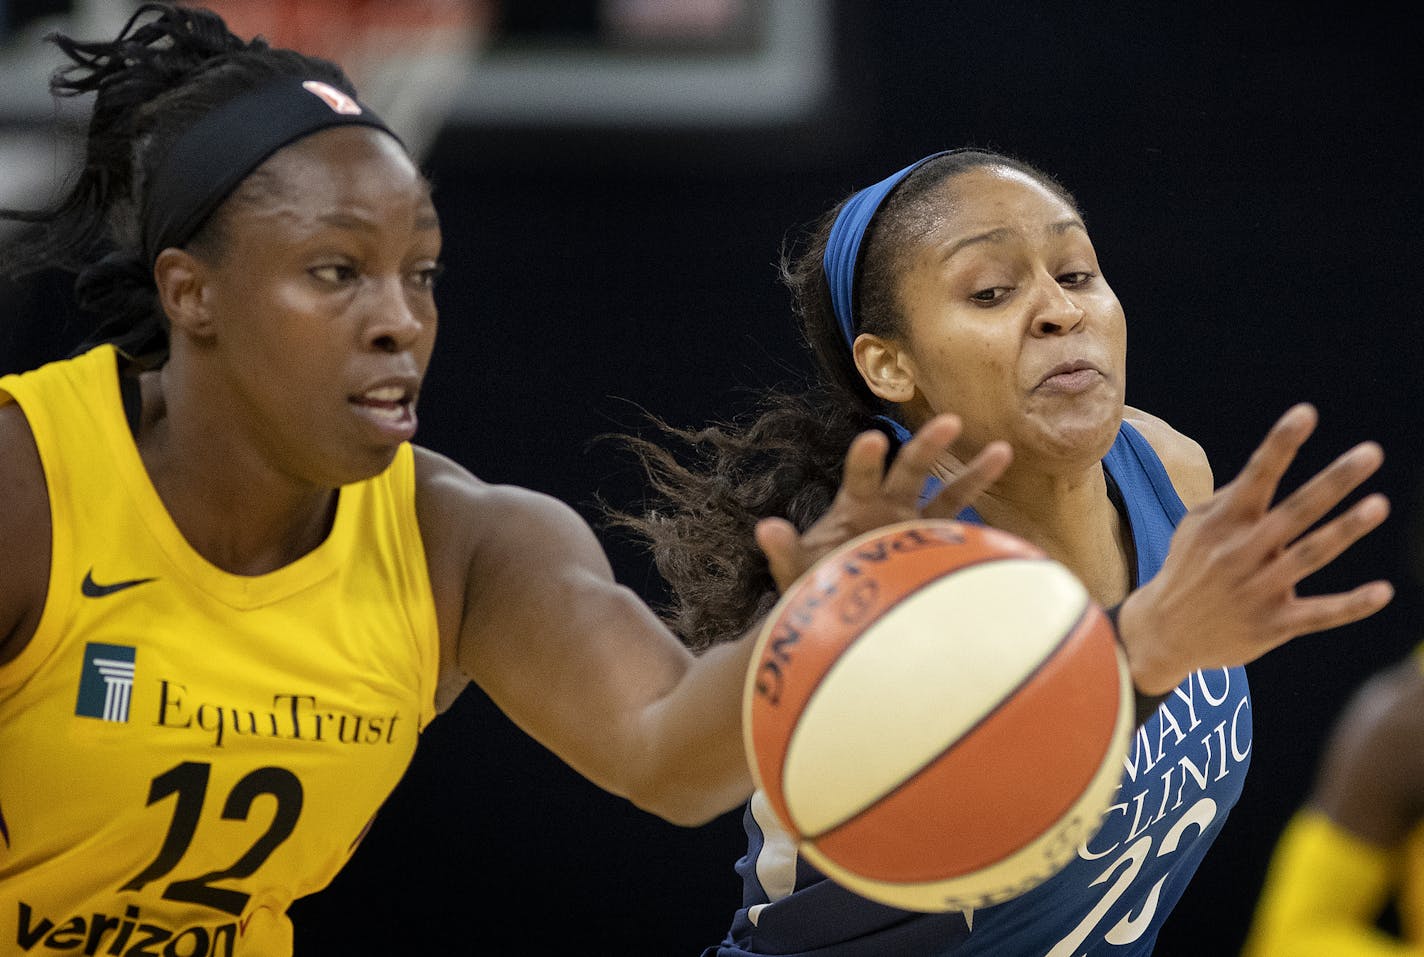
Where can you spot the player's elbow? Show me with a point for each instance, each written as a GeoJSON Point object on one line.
{"type": "Point", "coordinates": [689, 787]}
{"type": "Point", "coordinates": [684, 800]}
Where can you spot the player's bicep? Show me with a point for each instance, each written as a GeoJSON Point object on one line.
{"type": "Point", "coordinates": [572, 657]}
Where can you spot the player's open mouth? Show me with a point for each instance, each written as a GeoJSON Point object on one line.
{"type": "Point", "coordinates": [391, 407]}
{"type": "Point", "coordinates": [389, 401]}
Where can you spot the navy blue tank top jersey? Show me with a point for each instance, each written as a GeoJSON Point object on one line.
{"type": "Point", "coordinates": [1183, 773]}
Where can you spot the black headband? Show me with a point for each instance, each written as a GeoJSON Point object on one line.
{"type": "Point", "coordinates": [221, 149]}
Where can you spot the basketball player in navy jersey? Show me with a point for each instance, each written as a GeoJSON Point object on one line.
{"type": "Point", "coordinates": [967, 281]}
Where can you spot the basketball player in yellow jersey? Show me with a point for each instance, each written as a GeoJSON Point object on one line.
{"type": "Point", "coordinates": [1357, 846]}
{"type": "Point", "coordinates": [232, 591]}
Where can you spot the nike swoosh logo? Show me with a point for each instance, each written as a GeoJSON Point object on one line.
{"type": "Point", "coordinates": [93, 589]}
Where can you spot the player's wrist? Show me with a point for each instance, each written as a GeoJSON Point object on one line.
{"type": "Point", "coordinates": [1152, 679]}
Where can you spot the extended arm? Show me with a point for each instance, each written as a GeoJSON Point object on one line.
{"type": "Point", "coordinates": [1227, 592]}
{"type": "Point", "coordinates": [533, 615]}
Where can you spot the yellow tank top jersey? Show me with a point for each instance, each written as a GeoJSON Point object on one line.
{"type": "Point", "coordinates": [184, 751]}
{"type": "Point", "coordinates": [1410, 898]}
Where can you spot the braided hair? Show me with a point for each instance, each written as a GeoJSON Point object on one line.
{"type": "Point", "coordinates": [168, 67]}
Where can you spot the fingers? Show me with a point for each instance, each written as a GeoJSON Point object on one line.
{"type": "Point", "coordinates": [982, 471]}
{"type": "Point", "coordinates": [905, 479]}
{"type": "Point", "coordinates": [1323, 612]}
{"type": "Point", "coordinates": [1323, 545]}
{"type": "Point", "coordinates": [1253, 490]}
{"type": "Point", "coordinates": [871, 495]}
{"type": "Point", "coordinates": [864, 468]}
{"type": "Point", "coordinates": [1325, 490]}
{"type": "Point", "coordinates": [781, 545]}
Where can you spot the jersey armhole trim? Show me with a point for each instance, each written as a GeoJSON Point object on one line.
{"type": "Point", "coordinates": [59, 599]}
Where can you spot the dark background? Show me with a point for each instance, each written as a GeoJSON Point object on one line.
{"type": "Point", "coordinates": [1251, 177]}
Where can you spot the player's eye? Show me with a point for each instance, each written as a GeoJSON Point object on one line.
{"type": "Point", "coordinates": [334, 273]}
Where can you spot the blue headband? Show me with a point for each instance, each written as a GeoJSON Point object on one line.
{"type": "Point", "coordinates": [221, 149]}
{"type": "Point", "coordinates": [843, 245]}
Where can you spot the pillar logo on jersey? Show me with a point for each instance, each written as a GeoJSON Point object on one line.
{"type": "Point", "coordinates": [106, 683]}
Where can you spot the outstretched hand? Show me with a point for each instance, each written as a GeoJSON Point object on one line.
{"type": "Point", "coordinates": [872, 496]}
{"type": "Point", "coordinates": [1226, 593]}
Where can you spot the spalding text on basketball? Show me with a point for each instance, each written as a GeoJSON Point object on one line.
{"type": "Point", "coordinates": [840, 590]}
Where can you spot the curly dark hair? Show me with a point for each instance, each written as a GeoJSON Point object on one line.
{"type": "Point", "coordinates": [169, 66]}
{"type": "Point", "coordinates": [784, 458]}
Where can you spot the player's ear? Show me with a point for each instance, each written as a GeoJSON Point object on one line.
{"type": "Point", "coordinates": [182, 281]}
{"type": "Point", "coordinates": [885, 367]}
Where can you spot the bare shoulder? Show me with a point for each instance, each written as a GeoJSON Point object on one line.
{"type": "Point", "coordinates": [25, 530]}
{"type": "Point", "coordinates": [466, 516]}
{"type": "Point", "coordinates": [1371, 777]}
{"type": "Point", "coordinates": [503, 559]}
{"type": "Point", "coordinates": [1185, 460]}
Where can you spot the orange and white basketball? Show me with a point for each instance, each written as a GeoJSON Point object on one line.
{"type": "Point", "coordinates": [938, 713]}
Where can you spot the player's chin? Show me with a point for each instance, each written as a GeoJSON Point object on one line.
{"type": "Point", "coordinates": [356, 462]}
{"type": "Point", "coordinates": [378, 458]}
{"type": "Point", "coordinates": [370, 439]}
{"type": "Point", "coordinates": [1086, 431]}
